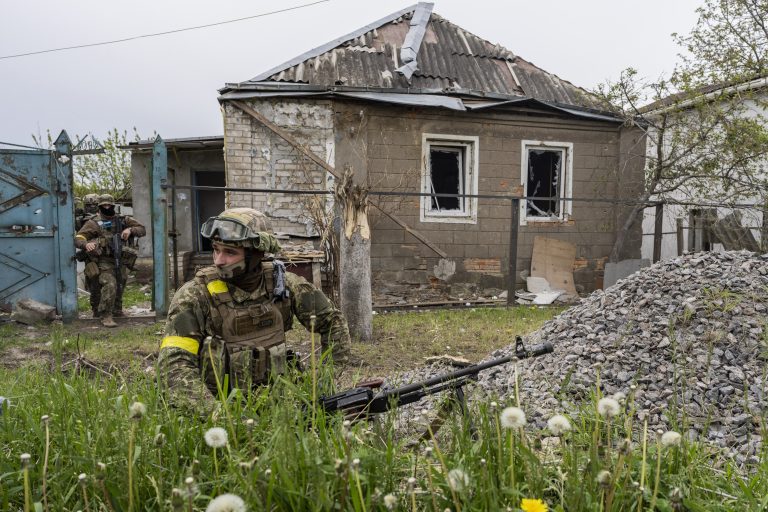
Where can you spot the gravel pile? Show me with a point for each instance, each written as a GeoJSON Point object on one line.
{"type": "Point", "coordinates": [688, 333]}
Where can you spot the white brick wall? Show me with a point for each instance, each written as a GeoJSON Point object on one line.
{"type": "Point", "coordinates": [257, 158]}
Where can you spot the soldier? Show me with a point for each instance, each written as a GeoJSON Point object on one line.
{"type": "Point", "coordinates": [101, 273]}
{"type": "Point", "coordinates": [232, 316]}
{"type": "Point", "coordinates": [88, 211]}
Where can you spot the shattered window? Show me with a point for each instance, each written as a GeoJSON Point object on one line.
{"type": "Point", "coordinates": [546, 179]}
{"type": "Point", "coordinates": [446, 177]}
{"type": "Point", "coordinates": [450, 167]}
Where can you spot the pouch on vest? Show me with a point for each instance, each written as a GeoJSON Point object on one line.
{"type": "Point", "coordinates": [128, 257]}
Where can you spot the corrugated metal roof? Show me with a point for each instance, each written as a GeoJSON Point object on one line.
{"type": "Point", "coordinates": [449, 59]}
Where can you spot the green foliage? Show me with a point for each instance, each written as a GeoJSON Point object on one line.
{"type": "Point", "coordinates": [102, 173]}
{"type": "Point", "coordinates": [108, 172]}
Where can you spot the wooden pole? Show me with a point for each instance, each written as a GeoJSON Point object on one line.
{"type": "Point", "coordinates": [657, 232]}
{"type": "Point", "coordinates": [514, 222]}
{"type": "Point", "coordinates": [680, 242]}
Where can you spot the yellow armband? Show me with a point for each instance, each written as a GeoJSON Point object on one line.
{"type": "Point", "coordinates": [189, 344]}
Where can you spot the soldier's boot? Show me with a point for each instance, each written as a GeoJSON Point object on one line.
{"type": "Point", "coordinates": [117, 312]}
{"type": "Point", "coordinates": [107, 320]}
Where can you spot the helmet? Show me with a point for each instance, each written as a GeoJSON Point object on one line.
{"type": "Point", "coordinates": [106, 200]}
{"type": "Point", "coordinates": [91, 199]}
{"type": "Point", "coordinates": [242, 227]}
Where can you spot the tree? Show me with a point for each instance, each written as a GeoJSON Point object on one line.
{"type": "Point", "coordinates": [706, 141]}
{"type": "Point", "coordinates": [102, 173]}
{"type": "Point", "coordinates": [108, 172]}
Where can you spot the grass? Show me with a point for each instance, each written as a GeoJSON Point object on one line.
{"type": "Point", "coordinates": [133, 295]}
{"type": "Point", "coordinates": [281, 460]}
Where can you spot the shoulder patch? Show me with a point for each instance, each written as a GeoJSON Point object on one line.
{"type": "Point", "coordinates": [217, 286]}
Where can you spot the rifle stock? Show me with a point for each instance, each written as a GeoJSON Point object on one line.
{"type": "Point", "coordinates": [117, 250]}
{"type": "Point", "coordinates": [363, 401]}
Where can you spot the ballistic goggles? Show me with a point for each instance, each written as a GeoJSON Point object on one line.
{"type": "Point", "coordinates": [226, 230]}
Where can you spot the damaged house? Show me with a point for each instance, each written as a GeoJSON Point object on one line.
{"type": "Point", "coordinates": [414, 103]}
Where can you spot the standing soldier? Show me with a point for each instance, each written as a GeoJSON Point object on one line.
{"type": "Point", "coordinates": [232, 316]}
{"type": "Point", "coordinates": [89, 210]}
{"type": "Point", "coordinates": [100, 238]}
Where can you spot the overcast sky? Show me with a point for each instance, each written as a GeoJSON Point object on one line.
{"type": "Point", "coordinates": [169, 83]}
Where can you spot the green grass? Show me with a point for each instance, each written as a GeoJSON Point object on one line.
{"type": "Point", "coordinates": [132, 296]}
{"type": "Point", "coordinates": [284, 461]}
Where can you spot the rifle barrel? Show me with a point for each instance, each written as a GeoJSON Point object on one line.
{"type": "Point", "coordinates": [536, 350]}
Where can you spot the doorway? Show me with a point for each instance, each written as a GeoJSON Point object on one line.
{"type": "Point", "coordinates": [209, 203]}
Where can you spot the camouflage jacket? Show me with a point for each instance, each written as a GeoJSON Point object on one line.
{"type": "Point", "coordinates": [184, 352]}
{"type": "Point", "coordinates": [95, 230]}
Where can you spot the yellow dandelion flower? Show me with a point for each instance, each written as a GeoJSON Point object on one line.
{"type": "Point", "coordinates": [531, 505]}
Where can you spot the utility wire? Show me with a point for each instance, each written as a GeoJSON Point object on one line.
{"type": "Point", "coordinates": [167, 32]}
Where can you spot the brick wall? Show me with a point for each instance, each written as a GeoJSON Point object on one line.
{"type": "Point", "coordinates": [257, 158]}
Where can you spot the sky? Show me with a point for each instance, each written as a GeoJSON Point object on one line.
{"type": "Point", "coordinates": [168, 84]}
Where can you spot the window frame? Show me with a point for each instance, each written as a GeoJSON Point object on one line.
{"type": "Point", "coordinates": [565, 186]}
{"type": "Point", "coordinates": [470, 169]}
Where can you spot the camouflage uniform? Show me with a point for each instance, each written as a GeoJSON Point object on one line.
{"type": "Point", "coordinates": [100, 269]}
{"type": "Point", "coordinates": [198, 338]}
{"type": "Point", "coordinates": [90, 210]}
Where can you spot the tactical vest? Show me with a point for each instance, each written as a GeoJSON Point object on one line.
{"type": "Point", "coordinates": [249, 340]}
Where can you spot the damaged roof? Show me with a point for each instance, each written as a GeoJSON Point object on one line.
{"type": "Point", "coordinates": [417, 51]}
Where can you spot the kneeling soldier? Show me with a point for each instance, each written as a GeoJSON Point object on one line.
{"type": "Point", "coordinates": [232, 316]}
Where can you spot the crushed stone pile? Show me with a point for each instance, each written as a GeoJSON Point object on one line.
{"type": "Point", "coordinates": [689, 333]}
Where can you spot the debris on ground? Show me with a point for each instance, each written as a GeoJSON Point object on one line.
{"type": "Point", "coordinates": [30, 311]}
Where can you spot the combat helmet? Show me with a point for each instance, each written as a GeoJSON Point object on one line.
{"type": "Point", "coordinates": [91, 199]}
{"type": "Point", "coordinates": [242, 227]}
{"type": "Point", "coordinates": [106, 200]}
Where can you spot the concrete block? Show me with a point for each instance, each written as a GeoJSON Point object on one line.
{"type": "Point", "coordinates": [622, 269]}
{"type": "Point", "coordinates": [29, 311]}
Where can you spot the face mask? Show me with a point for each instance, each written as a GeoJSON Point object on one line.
{"type": "Point", "coordinates": [107, 210]}
{"type": "Point", "coordinates": [232, 271]}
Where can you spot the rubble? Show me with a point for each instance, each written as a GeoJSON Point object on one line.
{"type": "Point", "coordinates": [29, 311]}
{"type": "Point", "coordinates": [686, 337]}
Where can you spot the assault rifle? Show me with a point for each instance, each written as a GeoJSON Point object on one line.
{"type": "Point", "coordinates": [362, 401]}
{"type": "Point", "coordinates": [117, 251]}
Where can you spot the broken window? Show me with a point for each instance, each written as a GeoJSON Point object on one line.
{"type": "Point", "coordinates": [546, 179]}
{"type": "Point", "coordinates": [450, 164]}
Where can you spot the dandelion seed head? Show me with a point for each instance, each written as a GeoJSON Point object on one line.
{"type": "Point", "coordinates": [137, 410]}
{"type": "Point", "coordinates": [216, 437]}
{"type": "Point", "coordinates": [101, 470]}
{"type": "Point", "coordinates": [659, 432]}
{"type": "Point", "coordinates": [558, 424]}
{"type": "Point", "coordinates": [603, 478]}
{"type": "Point", "coordinates": [245, 466]}
{"type": "Point", "coordinates": [494, 405]}
{"type": "Point", "coordinates": [619, 396]}
{"type": "Point", "coordinates": [513, 417]}
{"type": "Point", "coordinates": [226, 503]}
{"type": "Point", "coordinates": [189, 480]}
{"type": "Point", "coordinates": [25, 458]}
{"type": "Point", "coordinates": [159, 439]}
{"type": "Point", "coordinates": [390, 501]}
{"type": "Point", "coordinates": [82, 477]}
{"type": "Point", "coordinates": [44, 418]}
{"type": "Point", "coordinates": [608, 407]}
{"type": "Point", "coordinates": [267, 473]}
{"type": "Point", "coordinates": [483, 462]}
{"type": "Point", "coordinates": [458, 480]}
{"type": "Point", "coordinates": [670, 439]}
{"type": "Point", "coordinates": [625, 447]}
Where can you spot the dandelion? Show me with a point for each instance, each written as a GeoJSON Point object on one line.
{"type": "Point", "coordinates": [603, 478]}
{"type": "Point", "coordinates": [428, 451]}
{"type": "Point", "coordinates": [619, 396]}
{"type": "Point", "coordinates": [670, 439]}
{"type": "Point", "coordinates": [44, 418]}
{"type": "Point", "coordinates": [267, 473]}
{"type": "Point", "coordinates": [390, 501]}
{"type": "Point", "coordinates": [625, 448]}
{"type": "Point", "coordinates": [249, 423]}
{"type": "Point", "coordinates": [512, 418]}
{"type": "Point", "coordinates": [411, 483]}
{"type": "Point", "coordinates": [226, 503]}
{"type": "Point", "coordinates": [533, 505]}
{"type": "Point", "coordinates": [82, 477]}
{"type": "Point", "coordinates": [25, 458]}
{"type": "Point", "coordinates": [216, 437]}
{"type": "Point", "coordinates": [159, 439]}
{"type": "Point", "coordinates": [494, 405]}
{"type": "Point", "coordinates": [177, 499]}
{"type": "Point", "coordinates": [137, 410]}
{"type": "Point", "coordinates": [458, 480]}
{"type": "Point", "coordinates": [558, 424]}
{"type": "Point", "coordinates": [608, 407]}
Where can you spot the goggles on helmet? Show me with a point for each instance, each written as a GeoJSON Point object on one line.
{"type": "Point", "coordinates": [226, 230]}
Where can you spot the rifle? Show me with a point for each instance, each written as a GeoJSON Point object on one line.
{"type": "Point", "coordinates": [117, 251]}
{"type": "Point", "coordinates": [362, 401]}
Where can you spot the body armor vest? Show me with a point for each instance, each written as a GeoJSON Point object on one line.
{"type": "Point", "coordinates": [249, 339]}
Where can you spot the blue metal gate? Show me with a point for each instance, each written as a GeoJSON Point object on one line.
{"type": "Point", "coordinates": [37, 227]}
